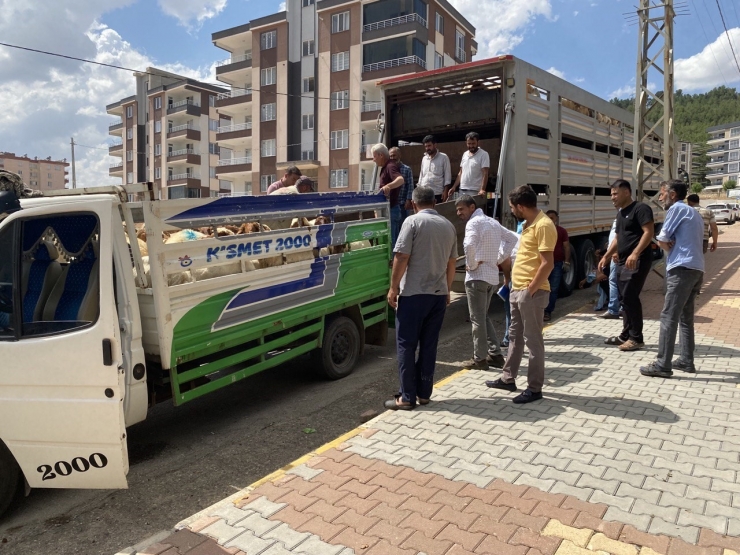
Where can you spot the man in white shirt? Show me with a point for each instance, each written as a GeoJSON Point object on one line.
{"type": "Point", "coordinates": [473, 175]}
{"type": "Point", "coordinates": [436, 171]}
{"type": "Point", "coordinates": [483, 252]}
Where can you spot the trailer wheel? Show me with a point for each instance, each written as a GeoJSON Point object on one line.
{"type": "Point", "coordinates": [341, 348]}
{"type": "Point", "coordinates": [568, 282]}
{"type": "Point", "coordinates": [586, 251]}
{"type": "Point", "coordinates": [10, 478]}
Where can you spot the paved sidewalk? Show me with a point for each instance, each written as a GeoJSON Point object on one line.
{"type": "Point", "coordinates": [609, 462]}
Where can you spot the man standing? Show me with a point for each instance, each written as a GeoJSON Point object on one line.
{"type": "Point", "coordinates": [635, 230]}
{"type": "Point", "coordinates": [391, 182]}
{"type": "Point", "coordinates": [529, 295]}
{"type": "Point", "coordinates": [423, 270]}
{"type": "Point", "coordinates": [681, 237]}
{"type": "Point", "coordinates": [561, 255]}
{"type": "Point", "coordinates": [473, 175]}
{"type": "Point", "coordinates": [291, 177]}
{"type": "Point", "coordinates": [612, 310]}
{"type": "Point", "coordinates": [435, 169]}
{"type": "Point", "coordinates": [482, 244]}
{"type": "Point", "coordinates": [710, 223]}
{"type": "Point", "coordinates": [506, 269]}
{"type": "Point", "coordinates": [404, 197]}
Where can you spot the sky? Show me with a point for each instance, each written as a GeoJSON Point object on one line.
{"type": "Point", "coordinates": [46, 100]}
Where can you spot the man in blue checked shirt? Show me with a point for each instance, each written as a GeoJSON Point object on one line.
{"type": "Point", "coordinates": [681, 238]}
{"type": "Point", "coordinates": [404, 197]}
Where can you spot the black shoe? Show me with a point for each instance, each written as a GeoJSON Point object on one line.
{"type": "Point", "coordinates": [497, 361]}
{"type": "Point", "coordinates": [501, 384]}
{"type": "Point", "coordinates": [473, 364]}
{"type": "Point", "coordinates": [655, 371]}
{"type": "Point", "coordinates": [684, 366]}
{"type": "Point", "coordinates": [391, 404]}
{"type": "Point", "coordinates": [527, 396]}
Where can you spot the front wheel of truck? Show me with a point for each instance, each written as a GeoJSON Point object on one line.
{"type": "Point", "coordinates": [10, 478]}
{"type": "Point", "coordinates": [340, 350]}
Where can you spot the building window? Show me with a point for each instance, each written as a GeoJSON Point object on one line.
{"type": "Point", "coordinates": [339, 139]}
{"type": "Point", "coordinates": [268, 76]}
{"type": "Point", "coordinates": [158, 150]}
{"type": "Point", "coordinates": [48, 183]}
{"type": "Point", "coordinates": [459, 46]}
{"type": "Point", "coordinates": [129, 111]}
{"type": "Point", "coordinates": [339, 100]}
{"type": "Point", "coordinates": [735, 143]}
{"type": "Point", "coordinates": [308, 84]}
{"type": "Point", "coordinates": [439, 60]}
{"type": "Point", "coordinates": [339, 22]}
{"type": "Point", "coordinates": [268, 112]}
{"type": "Point", "coordinates": [439, 23]}
{"type": "Point", "coordinates": [734, 155]}
{"type": "Point", "coordinates": [308, 48]}
{"type": "Point", "coordinates": [340, 61]}
{"type": "Point", "coordinates": [158, 103]}
{"type": "Point", "coordinates": [735, 132]}
{"type": "Point", "coordinates": [733, 167]}
{"type": "Point", "coordinates": [212, 124]}
{"type": "Point", "coordinates": [338, 179]}
{"type": "Point", "coordinates": [48, 175]}
{"type": "Point", "coordinates": [130, 177]}
{"type": "Point", "coordinates": [307, 3]}
{"type": "Point", "coordinates": [268, 40]}
{"type": "Point", "coordinates": [130, 133]}
{"type": "Point", "coordinates": [307, 122]}
{"type": "Point", "coordinates": [213, 148]}
{"type": "Point", "coordinates": [212, 172]}
{"type": "Point", "coordinates": [266, 181]}
{"type": "Point", "coordinates": [267, 148]}
{"type": "Point", "coordinates": [157, 126]}
{"type": "Point", "coordinates": [130, 155]}
{"type": "Point", "coordinates": [307, 155]}
{"type": "Point", "coordinates": [212, 100]}
{"type": "Point", "coordinates": [157, 173]}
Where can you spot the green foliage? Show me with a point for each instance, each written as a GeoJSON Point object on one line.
{"type": "Point", "coordinates": [697, 188]}
{"type": "Point", "coordinates": [729, 184]}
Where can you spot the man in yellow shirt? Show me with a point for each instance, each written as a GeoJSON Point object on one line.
{"type": "Point", "coordinates": [529, 295]}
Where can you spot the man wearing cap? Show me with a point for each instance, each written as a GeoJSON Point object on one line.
{"type": "Point", "coordinates": [291, 177]}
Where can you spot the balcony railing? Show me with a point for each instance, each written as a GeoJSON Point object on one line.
{"type": "Point", "coordinates": [460, 54]}
{"type": "Point", "coordinates": [395, 21]}
{"type": "Point", "coordinates": [177, 176]}
{"type": "Point", "coordinates": [234, 127]}
{"type": "Point", "coordinates": [117, 166]}
{"type": "Point", "coordinates": [394, 63]}
{"type": "Point", "coordinates": [183, 127]}
{"type": "Point", "coordinates": [181, 152]}
{"type": "Point", "coordinates": [371, 106]}
{"type": "Point", "coordinates": [235, 59]}
{"type": "Point", "coordinates": [235, 161]}
{"type": "Point", "coordinates": [186, 102]}
{"type": "Point", "coordinates": [233, 93]}
{"type": "Point", "coordinates": [115, 123]}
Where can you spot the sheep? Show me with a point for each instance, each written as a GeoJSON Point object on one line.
{"type": "Point", "coordinates": [184, 235]}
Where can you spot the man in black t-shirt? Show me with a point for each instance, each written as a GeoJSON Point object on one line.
{"type": "Point", "coordinates": [635, 230]}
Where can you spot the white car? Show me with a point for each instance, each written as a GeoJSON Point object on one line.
{"type": "Point", "coordinates": [723, 212]}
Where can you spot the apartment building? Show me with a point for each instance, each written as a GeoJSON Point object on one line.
{"type": "Point", "coordinates": [724, 154]}
{"type": "Point", "coordinates": [166, 133]}
{"type": "Point", "coordinates": [685, 160]}
{"type": "Point", "coordinates": [303, 87]}
{"type": "Point", "coordinates": [44, 175]}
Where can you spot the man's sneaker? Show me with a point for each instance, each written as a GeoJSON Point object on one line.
{"type": "Point", "coordinates": [684, 366]}
{"type": "Point", "coordinates": [631, 345]}
{"type": "Point", "coordinates": [527, 396]}
{"type": "Point", "coordinates": [655, 371]}
{"type": "Point", "coordinates": [497, 361]}
{"type": "Point", "coordinates": [609, 316]}
{"type": "Point", "coordinates": [501, 384]}
{"type": "Point", "coordinates": [473, 364]}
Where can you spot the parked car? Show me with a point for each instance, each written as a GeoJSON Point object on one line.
{"type": "Point", "coordinates": [723, 212]}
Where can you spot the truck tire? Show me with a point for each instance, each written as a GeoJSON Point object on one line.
{"type": "Point", "coordinates": [586, 264]}
{"type": "Point", "coordinates": [568, 283]}
{"type": "Point", "coordinates": [340, 351]}
{"type": "Point", "coordinates": [10, 478]}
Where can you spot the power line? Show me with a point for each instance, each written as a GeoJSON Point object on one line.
{"type": "Point", "coordinates": [709, 43]}
{"type": "Point", "coordinates": [721, 15]}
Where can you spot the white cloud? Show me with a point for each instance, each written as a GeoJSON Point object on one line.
{"type": "Point", "coordinates": [711, 67]}
{"type": "Point", "coordinates": [623, 92]}
{"type": "Point", "coordinates": [556, 72]}
{"type": "Point", "coordinates": [500, 33]}
{"type": "Point", "coordinates": [192, 13]}
{"type": "Point", "coordinates": [575, 13]}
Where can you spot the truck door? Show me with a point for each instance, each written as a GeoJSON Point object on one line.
{"type": "Point", "coordinates": [61, 389]}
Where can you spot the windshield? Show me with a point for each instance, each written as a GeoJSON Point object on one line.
{"type": "Point", "coordinates": [717, 207]}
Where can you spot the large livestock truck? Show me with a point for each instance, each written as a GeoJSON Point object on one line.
{"type": "Point", "coordinates": [93, 333]}
{"type": "Point", "coordinates": [538, 129]}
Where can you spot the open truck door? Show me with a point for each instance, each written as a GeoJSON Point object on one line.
{"type": "Point", "coordinates": [61, 385]}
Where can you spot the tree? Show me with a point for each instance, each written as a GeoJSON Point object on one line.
{"type": "Point", "coordinates": [696, 188]}
{"type": "Point", "coordinates": [729, 184]}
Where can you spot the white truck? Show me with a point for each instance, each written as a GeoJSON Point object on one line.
{"type": "Point", "coordinates": [92, 332]}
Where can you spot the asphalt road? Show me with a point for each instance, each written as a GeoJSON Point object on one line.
{"type": "Point", "coordinates": [185, 459]}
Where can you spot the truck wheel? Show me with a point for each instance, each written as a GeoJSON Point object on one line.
{"type": "Point", "coordinates": [586, 265]}
{"type": "Point", "coordinates": [341, 348]}
{"type": "Point", "coordinates": [10, 475]}
{"type": "Point", "coordinates": [568, 282]}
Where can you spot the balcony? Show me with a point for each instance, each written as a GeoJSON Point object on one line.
{"type": "Point", "coordinates": [234, 96]}
{"type": "Point", "coordinates": [116, 128]}
{"type": "Point", "coordinates": [370, 110]}
{"type": "Point", "coordinates": [234, 165]}
{"type": "Point", "coordinates": [185, 155]}
{"type": "Point", "coordinates": [718, 162]}
{"type": "Point", "coordinates": [720, 150]}
{"type": "Point", "coordinates": [395, 26]}
{"type": "Point", "coordinates": [460, 55]}
{"type": "Point", "coordinates": [116, 169]}
{"type": "Point", "coordinates": [235, 63]}
{"type": "Point", "coordinates": [191, 180]}
{"type": "Point", "coordinates": [399, 66]}
{"type": "Point", "coordinates": [116, 149]}
{"type": "Point", "coordinates": [187, 106]}
{"type": "Point", "coordinates": [187, 130]}
{"type": "Point", "coordinates": [183, 191]}
{"type": "Point", "coordinates": [717, 139]}
{"type": "Point", "coordinates": [234, 131]}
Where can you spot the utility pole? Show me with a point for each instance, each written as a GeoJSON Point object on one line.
{"type": "Point", "coordinates": [74, 174]}
{"type": "Point", "coordinates": [654, 52]}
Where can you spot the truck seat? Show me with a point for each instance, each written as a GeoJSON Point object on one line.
{"type": "Point", "coordinates": [76, 295]}
{"type": "Point", "coordinates": [40, 274]}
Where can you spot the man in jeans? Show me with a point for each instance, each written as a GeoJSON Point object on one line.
{"type": "Point", "coordinates": [423, 270]}
{"type": "Point", "coordinates": [404, 197]}
{"type": "Point", "coordinates": [612, 311]}
{"type": "Point", "coordinates": [561, 255]}
{"type": "Point", "coordinates": [482, 246]}
{"type": "Point", "coordinates": [681, 237]}
{"type": "Point", "coordinates": [635, 230]}
{"type": "Point", "coordinates": [391, 182]}
{"type": "Point", "coordinates": [529, 295]}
